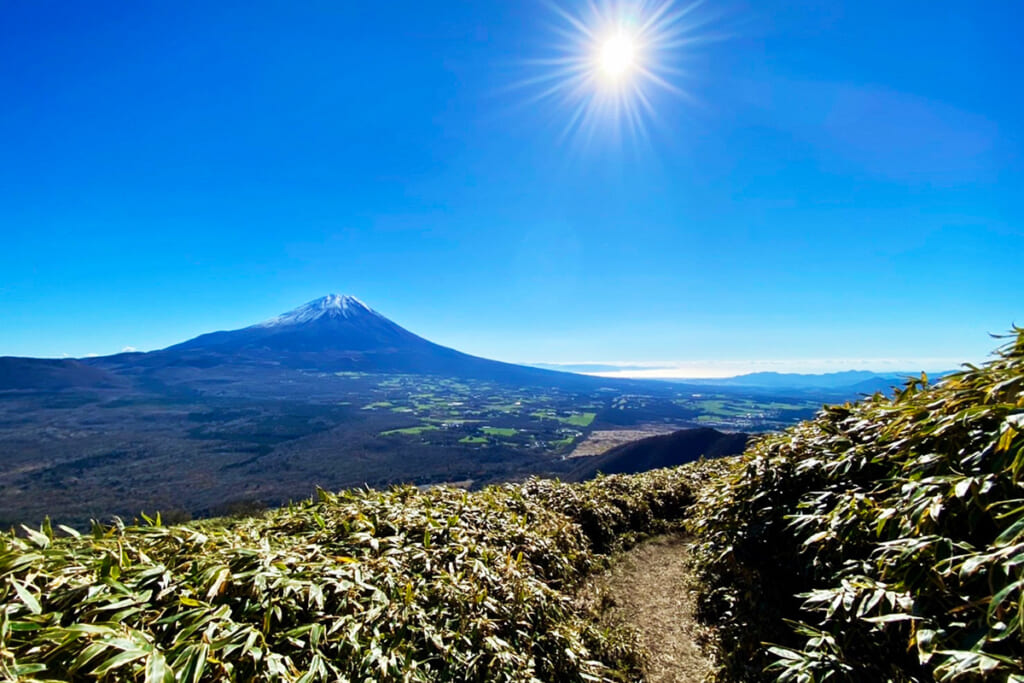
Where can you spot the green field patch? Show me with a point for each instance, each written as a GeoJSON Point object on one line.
{"type": "Point", "coordinates": [410, 430]}
{"type": "Point", "coordinates": [581, 420]}
{"type": "Point", "coordinates": [378, 404]}
{"type": "Point", "coordinates": [728, 408]}
{"type": "Point", "coordinates": [498, 431]}
{"type": "Point", "coordinates": [575, 420]}
{"type": "Point", "coordinates": [502, 407]}
{"type": "Point", "coordinates": [473, 439]}
{"type": "Point", "coordinates": [401, 409]}
{"type": "Point", "coordinates": [776, 405]}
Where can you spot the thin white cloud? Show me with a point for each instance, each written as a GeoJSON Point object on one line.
{"type": "Point", "coordinates": [129, 349]}
{"type": "Point", "coordinates": [709, 369]}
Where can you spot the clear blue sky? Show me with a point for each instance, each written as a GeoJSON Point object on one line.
{"type": "Point", "coordinates": [835, 180]}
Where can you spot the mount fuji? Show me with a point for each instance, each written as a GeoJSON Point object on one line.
{"type": "Point", "coordinates": [335, 333]}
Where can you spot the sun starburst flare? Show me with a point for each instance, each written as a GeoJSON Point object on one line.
{"type": "Point", "coordinates": [617, 56]}
{"type": "Point", "coordinates": [612, 61]}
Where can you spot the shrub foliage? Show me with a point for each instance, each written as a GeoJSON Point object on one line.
{"type": "Point", "coordinates": [881, 541]}
{"type": "Point", "coordinates": [400, 585]}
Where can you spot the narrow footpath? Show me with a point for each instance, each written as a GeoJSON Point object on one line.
{"type": "Point", "coordinates": [647, 590]}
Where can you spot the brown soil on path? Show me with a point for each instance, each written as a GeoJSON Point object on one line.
{"type": "Point", "coordinates": [647, 589]}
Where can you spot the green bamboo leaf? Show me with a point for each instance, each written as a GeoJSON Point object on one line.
{"type": "Point", "coordinates": [1006, 439]}
{"type": "Point", "coordinates": [88, 653]}
{"type": "Point", "coordinates": [40, 540]}
{"type": "Point", "coordinates": [1011, 534]}
{"type": "Point", "coordinates": [157, 670]}
{"type": "Point", "coordinates": [193, 663]}
{"type": "Point", "coordinates": [26, 597]}
{"type": "Point", "coordinates": [20, 670]}
{"type": "Point", "coordinates": [117, 661]}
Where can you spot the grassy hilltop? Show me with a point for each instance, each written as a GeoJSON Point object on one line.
{"type": "Point", "coordinates": [880, 541]}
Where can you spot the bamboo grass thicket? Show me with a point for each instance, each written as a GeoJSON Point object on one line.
{"type": "Point", "coordinates": [880, 541]}
{"type": "Point", "coordinates": [398, 585]}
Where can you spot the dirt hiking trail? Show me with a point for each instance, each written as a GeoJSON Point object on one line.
{"type": "Point", "coordinates": [646, 588]}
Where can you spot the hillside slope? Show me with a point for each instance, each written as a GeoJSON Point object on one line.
{"type": "Point", "coordinates": [881, 541]}
{"type": "Point", "coordinates": [52, 374]}
{"type": "Point", "coordinates": [663, 450]}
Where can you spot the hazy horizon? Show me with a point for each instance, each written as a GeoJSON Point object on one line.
{"type": "Point", "coordinates": [645, 368]}
{"type": "Point", "coordinates": [697, 368]}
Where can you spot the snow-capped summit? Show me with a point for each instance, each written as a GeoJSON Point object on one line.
{"type": "Point", "coordinates": [336, 323]}
{"type": "Point", "coordinates": [330, 306]}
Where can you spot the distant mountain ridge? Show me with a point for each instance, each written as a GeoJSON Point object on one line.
{"type": "Point", "coordinates": [845, 382]}
{"type": "Point", "coordinates": [826, 380]}
{"type": "Point", "coordinates": [856, 381]}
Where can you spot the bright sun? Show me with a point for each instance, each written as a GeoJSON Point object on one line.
{"type": "Point", "coordinates": [617, 56]}
{"type": "Point", "coordinates": [612, 58]}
